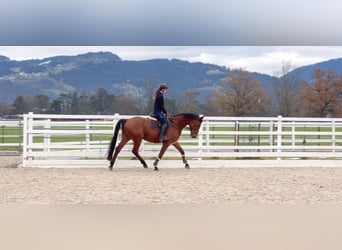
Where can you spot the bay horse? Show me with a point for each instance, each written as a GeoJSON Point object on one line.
{"type": "Point", "coordinates": [140, 128]}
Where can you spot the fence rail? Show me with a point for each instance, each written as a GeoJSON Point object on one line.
{"type": "Point", "coordinates": [10, 136]}
{"type": "Point", "coordinates": [79, 140]}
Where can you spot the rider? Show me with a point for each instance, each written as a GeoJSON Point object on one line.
{"type": "Point", "coordinates": [159, 111]}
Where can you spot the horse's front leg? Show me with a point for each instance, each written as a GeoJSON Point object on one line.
{"type": "Point", "coordinates": [161, 153]}
{"type": "Point", "coordinates": [181, 151]}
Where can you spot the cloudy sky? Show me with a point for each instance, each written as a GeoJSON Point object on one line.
{"type": "Point", "coordinates": [262, 59]}
{"type": "Point", "coordinates": [257, 35]}
{"type": "Point", "coordinates": [176, 22]}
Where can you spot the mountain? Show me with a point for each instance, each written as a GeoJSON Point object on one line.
{"type": "Point", "coordinates": [88, 72]}
{"type": "Point", "coordinates": [305, 73]}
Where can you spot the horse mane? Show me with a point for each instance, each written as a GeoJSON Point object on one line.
{"type": "Point", "coordinates": [189, 115]}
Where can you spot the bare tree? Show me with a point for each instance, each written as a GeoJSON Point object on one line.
{"type": "Point", "coordinates": [146, 101]}
{"type": "Point", "coordinates": [125, 104]}
{"type": "Point", "coordinates": [286, 91]}
{"type": "Point", "coordinates": [323, 96]}
{"type": "Point", "coordinates": [41, 103]}
{"type": "Point", "coordinates": [240, 95]}
{"type": "Point", "coordinates": [189, 103]}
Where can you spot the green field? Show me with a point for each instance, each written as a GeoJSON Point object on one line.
{"type": "Point", "coordinates": [11, 135]}
{"type": "Point", "coordinates": [322, 136]}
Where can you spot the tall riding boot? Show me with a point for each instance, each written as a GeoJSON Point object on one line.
{"type": "Point", "coordinates": [162, 136]}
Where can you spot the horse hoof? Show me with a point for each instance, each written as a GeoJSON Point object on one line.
{"type": "Point", "coordinates": [156, 168]}
{"type": "Point", "coordinates": [145, 166]}
{"type": "Point", "coordinates": [187, 166]}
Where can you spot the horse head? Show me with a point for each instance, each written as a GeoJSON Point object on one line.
{"type": "Point", "coordinates": [188, 119]}
{"type": "Point", "coordinates": [195, 125]}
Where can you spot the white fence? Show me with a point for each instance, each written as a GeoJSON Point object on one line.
{"type": "Point", "coordinates": [10, 136]}
{"type": "Point", "coordinates": [79, 140]}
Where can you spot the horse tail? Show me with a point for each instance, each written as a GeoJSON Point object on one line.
{"type": "Point", "coordinates": [119, 124]}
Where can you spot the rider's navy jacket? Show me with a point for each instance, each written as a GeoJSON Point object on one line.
{"type": "Point", "coordinates": [159, 104]}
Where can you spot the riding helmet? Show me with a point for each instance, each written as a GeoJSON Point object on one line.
{"type": "Point", "coordinates": [163, 86]}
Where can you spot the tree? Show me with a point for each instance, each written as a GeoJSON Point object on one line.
{"type": "Point", "coordinates": [323, 96]}
{"type": "Point", "coordinates": [147, 101]}
{"type": "Point", "coordinates": [286, 91]}
{"type": "Point", "coordinates": [125, 104]}
{"type": "Point", "coordinates": [240, 95]}
{"type": "Point", "coordinates": [188, 102]}
{"type": "Point", "coordinates": [102, 102]}
{"type": "Point", "coordinates": [41, 103]}
{"type": "Point", "coordinates": [22, 104]}
{"type": "Point", "coordinates": [56, 107]}
{"type": "Point", "coordinates": [74, 103]}
{"type": "Point", "coordinates": [69, 103]}
{"type": "Point", "coordinates": [170, 105]}
{"type": "Point", "coordinates": [4, 109]}
{"type": "Point", "coordinates": [86, 104]}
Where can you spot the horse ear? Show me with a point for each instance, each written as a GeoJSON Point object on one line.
{"type": "Point", "coordinates": [201, 118]}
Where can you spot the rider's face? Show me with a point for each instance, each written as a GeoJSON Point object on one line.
{"type": "Point", "coordinates": [164, 91]}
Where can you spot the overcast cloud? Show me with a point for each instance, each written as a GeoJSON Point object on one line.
{"type": "Point", "coordinates": [177, 22]}
{"type": "Point", "coordinates": [262, 59]}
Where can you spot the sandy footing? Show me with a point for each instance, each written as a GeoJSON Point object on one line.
{"type": "Point", "coordinates": [174, 208]}
{"type": "Point", "coordinates": [170, 186]}
{"type": "Point", "coordinates": [10, 160]}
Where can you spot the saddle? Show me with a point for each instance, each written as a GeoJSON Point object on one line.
{"type": "Point", "coordinates": [154, 123]}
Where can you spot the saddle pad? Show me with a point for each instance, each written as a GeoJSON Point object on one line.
{"type": "Point", "coordinates": [154, 123]}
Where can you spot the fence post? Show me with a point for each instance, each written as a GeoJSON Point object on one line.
{"type": "Point", "coordinates": [293, 136]}
{"type": "Point", "coordinates": [27, 137]}
{"type": "Point", "coordinates": [237, 137]}
{"type": "Point", "coordinates": [87, 127]}
{"type": "Point", "coordinates": [259, 127]}
{"type": "Point", "coordinates": [200, 142]}
{"type": "Point", "coordinates": [30, 132]}
{"type": "Point", "coordinates": [271, 136]}
{"type": "Point", "coordinates": [25, 140]}
{"type": "Point", "coordinates": [3, 134]}
{"type": "Point", "coordinates": [21, 132]}
{"type": "Point", "coordinates": [333, 136]}
{"type": "Point", "coordinates": [207, 134]}
{"type": "Point", "coordinates": [47, 136]}
{"type": "Point", "coordinates": [279, 137]}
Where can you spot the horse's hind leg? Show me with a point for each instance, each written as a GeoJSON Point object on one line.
{"type": "Point", "coordinates": [117, 151]}
{"type": "Point", "coordinates": [181, 151]}
{"type": "Point", "coordinates": [135, 151]}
